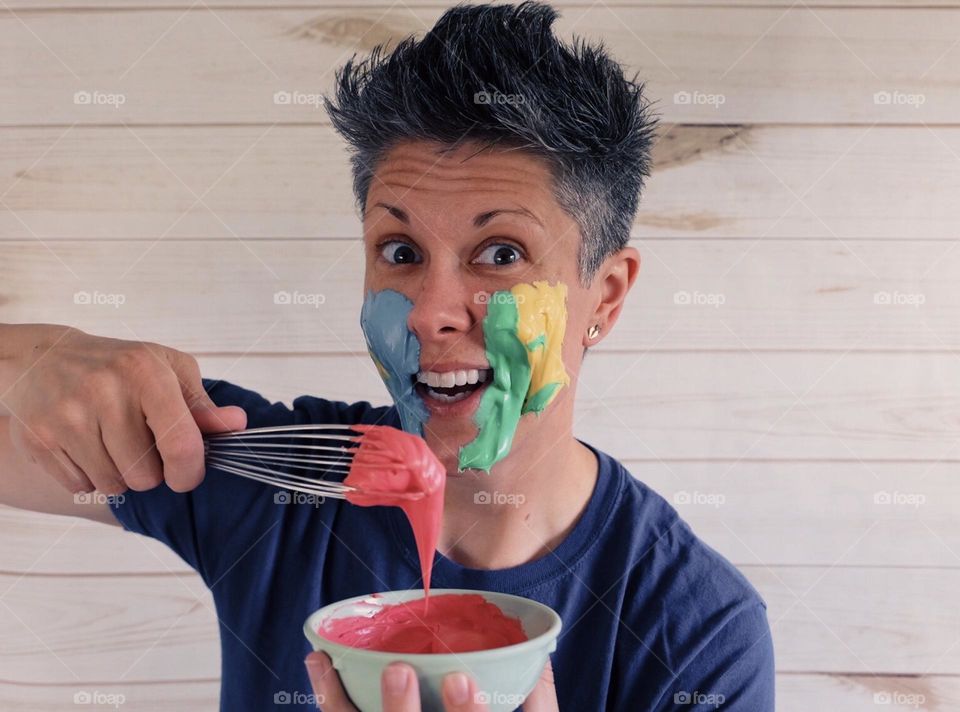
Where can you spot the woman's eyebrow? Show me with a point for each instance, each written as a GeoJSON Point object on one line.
{"type": "Point", "coordinates": [478, 222]}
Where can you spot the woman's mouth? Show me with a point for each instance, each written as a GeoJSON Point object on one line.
{"type": "Point", "coordinates": [452, 392]}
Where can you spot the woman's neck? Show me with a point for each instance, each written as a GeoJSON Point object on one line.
{"type": "Point", "coordinates": [519, 512]}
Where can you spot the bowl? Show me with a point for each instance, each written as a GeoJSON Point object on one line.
{"type": "Point", "coordinates": [504, 676]}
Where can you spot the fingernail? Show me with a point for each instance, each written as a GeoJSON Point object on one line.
{"type": "Point", "coordinates": [395, 679]}
{"type": "Point", "coordinates": [316, 661]}
{"type": "Point", "coordinates": [457, 688]}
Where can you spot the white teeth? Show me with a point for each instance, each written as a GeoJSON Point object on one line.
{"type": "Point", "coordinates": [453, 378]}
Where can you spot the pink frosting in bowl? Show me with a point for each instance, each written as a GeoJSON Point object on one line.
{"type": "Point", "coordinates": [505, 656]}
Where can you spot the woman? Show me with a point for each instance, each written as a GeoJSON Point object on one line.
{"type": "Point", "coordinates": [498, 173]}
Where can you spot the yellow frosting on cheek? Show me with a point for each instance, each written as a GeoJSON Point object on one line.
{"type": "Point", "coordinates": [542, 321]}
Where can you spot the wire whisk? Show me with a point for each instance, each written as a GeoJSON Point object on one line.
{"type": "Point", "coordinates": [269, 455]}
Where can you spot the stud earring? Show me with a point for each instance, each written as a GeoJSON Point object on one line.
{"type": "Point", "coordinates": [593, 331]}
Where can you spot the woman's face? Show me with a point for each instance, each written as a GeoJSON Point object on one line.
{"type": "Point", "coordinates": [445, 231]}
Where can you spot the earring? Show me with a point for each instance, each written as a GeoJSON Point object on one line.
{"type": "Point", "coordinates": [593, 331]}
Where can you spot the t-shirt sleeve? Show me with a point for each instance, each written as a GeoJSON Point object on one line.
{"type": "Point", "coordinates": [734, 670]}
{"type": "Point", "coordinates": [212, 525]}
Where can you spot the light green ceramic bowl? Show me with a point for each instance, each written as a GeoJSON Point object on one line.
{"type": "Point", "coordinates": [504, 676]}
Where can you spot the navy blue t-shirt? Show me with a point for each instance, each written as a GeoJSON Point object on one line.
{"type": "Point", "coordinates": [653, 618]}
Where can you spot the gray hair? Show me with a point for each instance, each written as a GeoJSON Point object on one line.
{"type": "Point", "coordinates": [498, 75]}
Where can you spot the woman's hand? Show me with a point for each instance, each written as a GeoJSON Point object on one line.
{"type": "Point", "coordinates": [402, 694]}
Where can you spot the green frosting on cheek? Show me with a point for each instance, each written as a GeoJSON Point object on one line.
{"type": "Point", "coordinates": [501, 404]}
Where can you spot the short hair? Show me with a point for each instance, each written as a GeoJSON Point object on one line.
{"type": "Point", "coordinates": [498, 75]}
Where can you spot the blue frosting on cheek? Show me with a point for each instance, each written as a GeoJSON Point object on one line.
{"type": "Point", "coordinates": [396, 350]}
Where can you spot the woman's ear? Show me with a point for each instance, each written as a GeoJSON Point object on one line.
{"type": "Point", "coordinates": [613, 280]}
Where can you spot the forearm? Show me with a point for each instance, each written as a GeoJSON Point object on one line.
{"type": "Point", "coordinates": [20, 347]}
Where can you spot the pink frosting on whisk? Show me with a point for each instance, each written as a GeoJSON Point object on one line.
{"type": "Point", "coordinates": [393, 467]}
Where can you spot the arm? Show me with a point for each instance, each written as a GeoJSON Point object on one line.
{"type": "Point", "coordinates": [80, 412]}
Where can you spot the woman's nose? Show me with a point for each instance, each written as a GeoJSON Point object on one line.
{"type": "Point", "coordinates": [441, 305]}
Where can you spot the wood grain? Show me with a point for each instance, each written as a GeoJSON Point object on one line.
{"type": "Point", "coordinates": [261, 182]}
{"type": "Point", "coordinates": [769, 64]}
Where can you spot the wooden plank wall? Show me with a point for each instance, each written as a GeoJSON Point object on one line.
{"type": "Point", "coordinates": [823, 213]}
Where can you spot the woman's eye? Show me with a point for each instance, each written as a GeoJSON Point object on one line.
{"type": "Point", "coordinates": [400, 253]}
{"type": "Point", "coordinates": [499, 254]}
